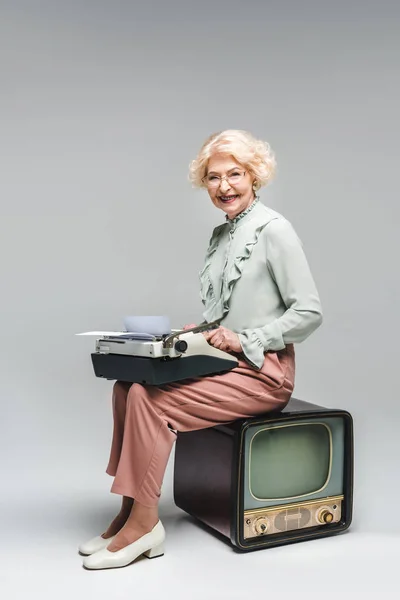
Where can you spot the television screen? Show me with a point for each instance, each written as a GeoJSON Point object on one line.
{"type": "Point", "coordinates": [290, 461]}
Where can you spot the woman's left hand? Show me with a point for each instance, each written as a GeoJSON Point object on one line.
{"type": "Point", "coordinates": [224, 339]}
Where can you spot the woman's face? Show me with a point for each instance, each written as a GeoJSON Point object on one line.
{"type": "Point", "coordinates": [233, 197]}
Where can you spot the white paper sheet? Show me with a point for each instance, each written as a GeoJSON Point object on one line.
{"type": "Point", "coordinates": [103, 333]}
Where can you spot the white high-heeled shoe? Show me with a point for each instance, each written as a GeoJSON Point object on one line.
{"type": "Point", "coordinates": [151, 545]}
{"type": "Point", "coordinates": [94, 545]}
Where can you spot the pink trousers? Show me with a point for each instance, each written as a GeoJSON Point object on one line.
{"type": "Point", "coordinates": [146, 418]}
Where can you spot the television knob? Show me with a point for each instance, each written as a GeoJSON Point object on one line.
{"type": "Point", "coordinates": [261, 525]}
{"type": "Point", "coordinates": [325, 516]}
{"type": "Point", "coordinates": [181, 346]}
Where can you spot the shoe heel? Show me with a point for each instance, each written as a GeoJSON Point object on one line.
{"type": "Point", "coordinates": [155, 552]}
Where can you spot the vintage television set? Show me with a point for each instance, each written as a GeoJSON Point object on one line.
{"type": "Point", "coordinates": [275, 479]}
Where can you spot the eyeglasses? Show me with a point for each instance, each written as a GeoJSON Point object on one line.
{"type": "Point", "coordinates": [214, 181]}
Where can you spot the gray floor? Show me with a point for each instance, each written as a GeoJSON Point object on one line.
{"type": "Point", "coordinates": [42, 528]}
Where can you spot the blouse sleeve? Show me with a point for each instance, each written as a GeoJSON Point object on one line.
{"type": "Point", "coordinates": [287, 265]}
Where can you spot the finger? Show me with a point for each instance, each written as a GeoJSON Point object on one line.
{"type": "Point", "coordinates": [215, 339]}
{"type": "Point", "coordinates": [218, 333]}
{"type": "Point", "coordinates": [223, 346]}
{"type": "Point", "coordinates": [209, 334]}
{"type": "Point", "coordinates": [219, 342]}
{"type": "Point", "coordinates": [211, 339]}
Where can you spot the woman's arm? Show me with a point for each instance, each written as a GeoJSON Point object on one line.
{"type": "Point", "coordinates": [288, 266]}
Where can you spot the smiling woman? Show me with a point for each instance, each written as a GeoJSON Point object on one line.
{"type": "Point", "coordinates": [257, 284]}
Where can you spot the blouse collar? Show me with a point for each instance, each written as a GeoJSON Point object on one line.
{"type": "Point", "coordinates": [240, 216]}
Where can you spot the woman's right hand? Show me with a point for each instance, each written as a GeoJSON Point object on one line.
{"type": "Point", "coordinates": [189, 326]}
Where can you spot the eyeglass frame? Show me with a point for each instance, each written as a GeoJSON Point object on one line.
{"type": "Point", "coordinates": [221, 178]}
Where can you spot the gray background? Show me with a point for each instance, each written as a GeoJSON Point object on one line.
{"type": "Point", "coordinates": [103, 105]}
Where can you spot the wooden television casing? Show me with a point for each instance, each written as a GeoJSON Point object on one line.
{"type": "Point", "coordinates": [209, 482]}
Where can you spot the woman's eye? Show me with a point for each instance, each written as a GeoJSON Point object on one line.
{"type": "Point", "coordinates": [212, 177]}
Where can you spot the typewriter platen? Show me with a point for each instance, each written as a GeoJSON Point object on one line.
{"type": "Point", "coordinates": [159, 359]}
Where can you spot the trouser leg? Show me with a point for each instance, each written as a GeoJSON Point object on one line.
{"type": "Point", "coordinates": [146, 446]}
{"type": "Point", "coordinates": [119, 399]}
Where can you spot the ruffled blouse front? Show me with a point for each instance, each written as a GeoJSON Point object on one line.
{"type": "Point", "coordinates": [249, 292]}
{"type": "Point", "coordinates": [217, 301]}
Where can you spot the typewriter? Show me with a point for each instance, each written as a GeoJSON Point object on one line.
{"type": "Point", "coordinates": [156, 358]}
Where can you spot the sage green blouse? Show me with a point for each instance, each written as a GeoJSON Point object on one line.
{"type": "Point", "coordinates": [256, 281]}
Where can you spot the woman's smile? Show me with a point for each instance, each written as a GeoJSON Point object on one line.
{"type": "Point", "coordinates": [229, 198]}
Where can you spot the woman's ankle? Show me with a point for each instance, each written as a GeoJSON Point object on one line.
{"type": "Point", "coordinates": [143, 517]}
{"type": "Point", "coordinates": [126, 505]}
{"type": "Point", "coordinates": [121, 518]}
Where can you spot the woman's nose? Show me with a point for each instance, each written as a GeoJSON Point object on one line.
{"type": "Point", "coordinates": [224, 185]}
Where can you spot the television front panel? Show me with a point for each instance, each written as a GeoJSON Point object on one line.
{"type": "Point", "coordinates": [293, 477]}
